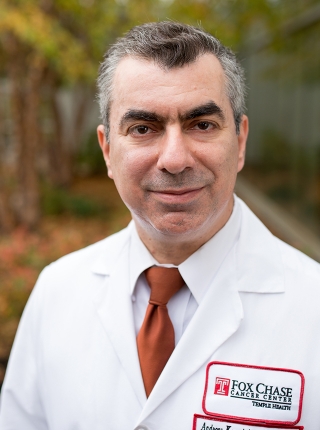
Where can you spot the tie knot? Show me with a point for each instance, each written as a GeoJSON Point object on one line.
{"type": "Point", "coordinates": [164, 282]}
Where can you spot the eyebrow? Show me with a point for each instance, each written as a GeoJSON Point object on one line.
{"type": "Point", "coordinates": [210, 108]}
{"type": "Point", "coordinates": [140, 115]}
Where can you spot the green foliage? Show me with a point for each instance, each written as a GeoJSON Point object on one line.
{"type": "Point", "coordinates": [71, 35]}
{"type": "Point", "coordinates": [90, 160]}
{"type": "Point", "coordinates": [58, 201]}
{"type": "Point", "coordinates": [44, 36]}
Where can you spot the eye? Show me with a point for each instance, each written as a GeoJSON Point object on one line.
{"type": "Point", "coordinates": [140, 129]}
{"type": "Point", "coordinates": [204, 125]}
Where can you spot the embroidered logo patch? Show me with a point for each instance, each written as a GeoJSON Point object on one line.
{"type": "Point", "coordinates": [201, 422]}
{"type": "Point", "coordinates": [253, 393]}
{"type": "Point", "coordinates": [222, 386]}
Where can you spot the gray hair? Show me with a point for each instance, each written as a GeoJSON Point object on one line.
{"type": "Point", "coordinates": [170, 44]}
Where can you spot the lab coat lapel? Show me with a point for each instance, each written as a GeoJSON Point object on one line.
{"type": "Point", "coordinates": [114, 308]}
{"type": "Point", "coordinates": [217, 318]}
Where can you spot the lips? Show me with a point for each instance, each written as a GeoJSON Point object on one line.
{"type": "Point", "coordinates": [179, 191]}
{"type": "Point", "coordinates": [177, 196]}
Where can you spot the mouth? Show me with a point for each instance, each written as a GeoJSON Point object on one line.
{"type": "Point", "coordinates": [177, 195]}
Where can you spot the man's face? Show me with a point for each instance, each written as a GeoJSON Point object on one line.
{"type": "Point", "coordinates": [173, 150]}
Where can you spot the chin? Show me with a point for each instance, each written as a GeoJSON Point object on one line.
{"type": "Point", "coordinates": [178, 226]}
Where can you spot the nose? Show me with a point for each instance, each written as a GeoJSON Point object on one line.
{"type": "Point", "coordinates": [175, 154]}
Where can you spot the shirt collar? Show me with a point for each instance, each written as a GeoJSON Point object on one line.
{"type": "Point", "coordinates": [200, 268]}
{"type": "Point", "coordinates": [139, 257]}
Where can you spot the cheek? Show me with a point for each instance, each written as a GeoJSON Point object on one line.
{"type": "Point", "coordinates": [129, 166]}
{"type": "Point", "coordinates": [223, 162]}
{"type": "Point", "coordinates": [221, 158]}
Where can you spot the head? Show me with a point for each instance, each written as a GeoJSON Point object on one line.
{"type": "Point", "coordinates": [173, 133]}
{"type": "Point", "coordinates": [170, 45]}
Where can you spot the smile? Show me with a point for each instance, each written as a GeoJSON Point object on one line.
{"type": "Point", "coordinates": [177, 196]}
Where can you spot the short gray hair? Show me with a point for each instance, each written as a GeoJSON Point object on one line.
{"type": "Point", "coordinates": [170, 44]}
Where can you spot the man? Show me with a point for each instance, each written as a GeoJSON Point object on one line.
{"type": "Point", "coordinates": [235, 346]}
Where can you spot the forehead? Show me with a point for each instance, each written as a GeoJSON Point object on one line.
{"type": "Point", "coordinates": [142, 84]}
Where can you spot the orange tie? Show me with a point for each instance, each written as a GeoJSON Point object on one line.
{"type": "Point", "coordinates": [155, 339]}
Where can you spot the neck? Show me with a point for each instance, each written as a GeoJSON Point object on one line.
{"type": "Point", "coordinates": [175, 249]}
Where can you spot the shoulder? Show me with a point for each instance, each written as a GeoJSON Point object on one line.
{"type": "Point", "coordinates": [109, 247]}
{"type": "Point", "coordinates": [86, 264]}
{"type": "Point", "coordinates": [299, 266]}
{"type": "Point", "coordinates": [271, 263]}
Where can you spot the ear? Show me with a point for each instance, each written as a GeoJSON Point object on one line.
{"type": "Point", "coordinates": [105, 148]}
{"type": "Point", "coordinates": [242, 141]}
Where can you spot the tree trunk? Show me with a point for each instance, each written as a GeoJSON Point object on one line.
{"type": "Point", "coordinates": [25, 98]}
{"type": "Point", "coordinates": [63, 147]}
{"type": "Point", "coordinates": [60, 170]}
{"type": "Point", "coordinates": [6, 215]}
{"type": "Point", "coordinates": [29, 150]}
{"type": "Point", "coordinates": [84, 96]}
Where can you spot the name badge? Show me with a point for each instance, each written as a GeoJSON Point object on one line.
{"type": "Point", "coordinates": [201, 422]}
{"type": "Point", "coordinates": [254, 394]}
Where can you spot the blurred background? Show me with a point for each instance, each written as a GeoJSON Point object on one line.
{"type": "Point", "coordinates": [55, 196]}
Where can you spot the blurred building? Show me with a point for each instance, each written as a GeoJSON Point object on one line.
{"type": "Point", "coordinates": [283, 156]}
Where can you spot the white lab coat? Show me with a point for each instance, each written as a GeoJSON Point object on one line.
{"type": "Point", "coordinates": [74, 364]}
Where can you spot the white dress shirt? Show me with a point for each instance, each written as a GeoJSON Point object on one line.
{"type": "Point", "coordinates": [197, 271]}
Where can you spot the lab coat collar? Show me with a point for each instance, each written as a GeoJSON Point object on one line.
{"type": "Point", "coordinates": [110, 249]}
{"type": "Point", "coordinates": [259, 261]}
